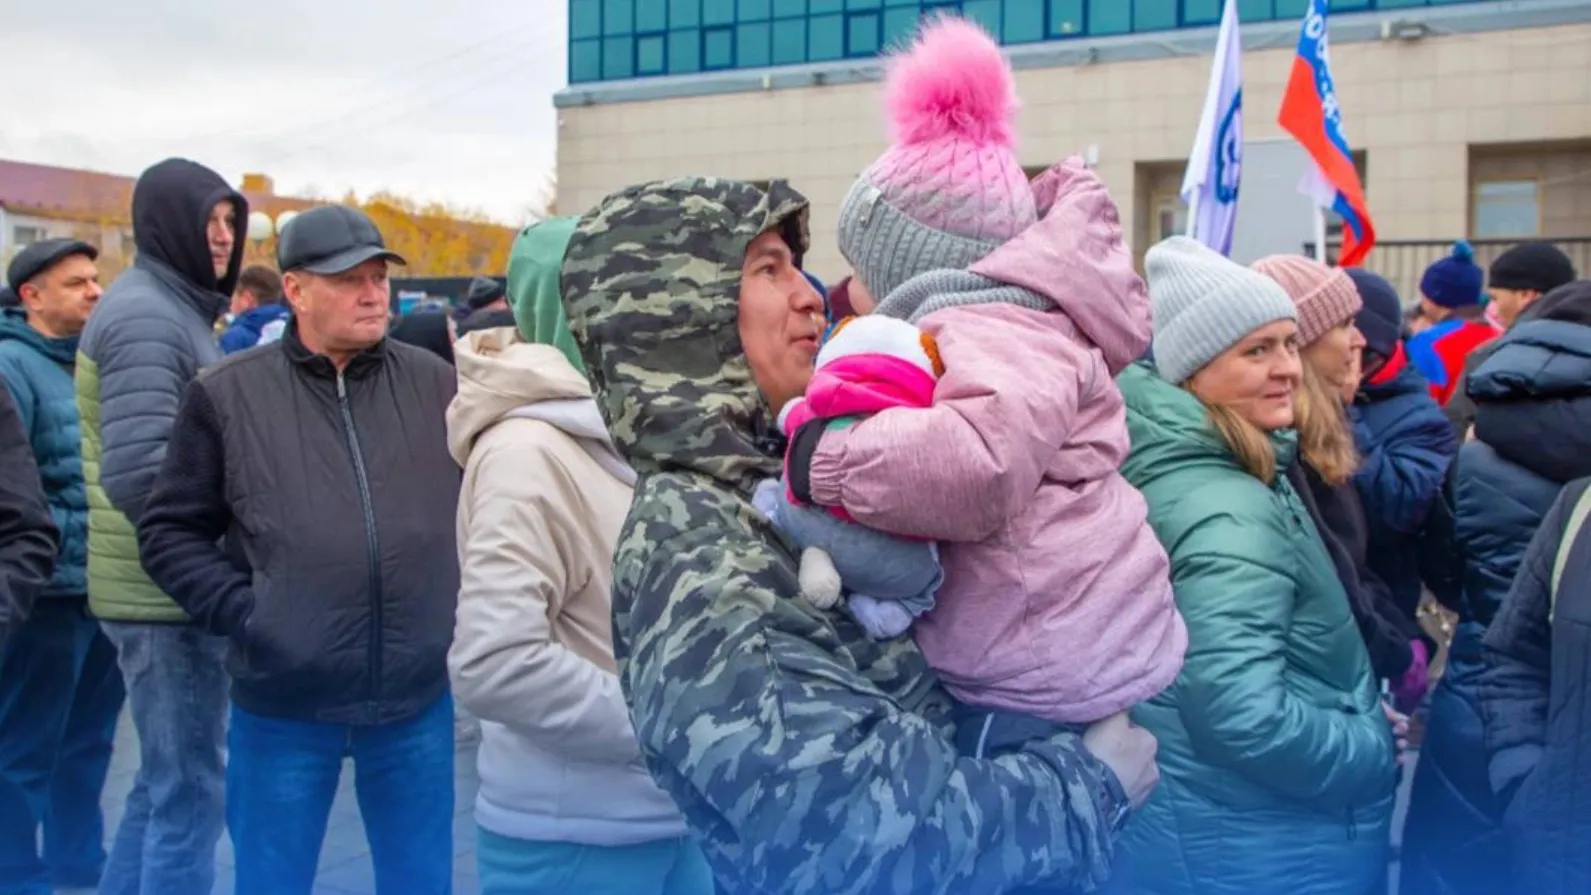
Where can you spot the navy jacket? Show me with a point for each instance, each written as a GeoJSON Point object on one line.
{"type": "Point", "coordinates": [1407, 446]}
{"type": "Point", "coordinates": [27, 537]}
{"type": "Point", "coordinates": [1532, 435]}
{"type": "Point", "coordinates": [38, 372]}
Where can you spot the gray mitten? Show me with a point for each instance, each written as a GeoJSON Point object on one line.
{"type": "Point", "coordinates": [881, 619]}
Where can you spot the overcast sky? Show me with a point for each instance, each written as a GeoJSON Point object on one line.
{"type": "Point", "coordinates": [438, 99]}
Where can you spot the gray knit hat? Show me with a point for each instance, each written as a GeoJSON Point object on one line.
{"type": "Point", "coordinates": [1204, 304]}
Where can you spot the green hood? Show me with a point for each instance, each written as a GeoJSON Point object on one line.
{"type": "Point", "coordinates": [1171, 431]}
{"type": "Point", "coordinates": [651, 284]}
{"type": "Point", "coordinates": [533, 266]}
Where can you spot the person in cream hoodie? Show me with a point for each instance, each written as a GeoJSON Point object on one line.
{"type": "Point", "coordinates": [565, 804]}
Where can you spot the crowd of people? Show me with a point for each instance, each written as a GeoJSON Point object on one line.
{"type": "Point", "coordinates": [994, 568]}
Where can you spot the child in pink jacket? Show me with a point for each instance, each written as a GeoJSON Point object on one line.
{"type": "Point", "coordinates": [1057, 598]}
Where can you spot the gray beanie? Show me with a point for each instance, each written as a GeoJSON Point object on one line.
{"type": "Point", "coordinates": [1204, 303]}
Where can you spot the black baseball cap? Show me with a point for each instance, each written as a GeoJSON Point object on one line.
{"type": "Point", "coordinates": [331, 239]}
{"type": "Point", "coordinates": [43, 255]}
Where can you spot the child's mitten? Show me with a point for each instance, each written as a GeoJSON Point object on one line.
{"type": "Point", "coordinates": [820, 581]}
{"type": "Point", "coordinates": [881, 619]}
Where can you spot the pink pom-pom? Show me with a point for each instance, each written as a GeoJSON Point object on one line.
{"type": "Point", "coordinates": [953, 81]}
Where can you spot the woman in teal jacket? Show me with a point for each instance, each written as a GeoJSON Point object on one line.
{"type": "Point", "coordinates": [1276, 755]}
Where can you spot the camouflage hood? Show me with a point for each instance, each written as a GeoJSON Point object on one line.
{"type": "Point", "coordinates": [651, 284]}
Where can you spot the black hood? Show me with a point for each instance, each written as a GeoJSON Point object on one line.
{"type": "Point", "coordinates": [171, 208]}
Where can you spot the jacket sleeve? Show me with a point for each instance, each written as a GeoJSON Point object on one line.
{"type": "Point", "coordinates": [1237, 598]}
{"type": "Point", "coordinates": [180, 534]}
{"type": "Point", "coordinates": [143, 365]}
{"type": "Point", "coordinates": [514, 564]}
{"type": "Point", "coordinates": [1518, 656]}
{"type": "Point", "coordinates": [28, 537]}
{"type": "Point", "coordinates": [958, 470]}
{"type": "Point", "coordinates": [1460, 407]}
{"type": "Point", "coordinates": [1401, 475]}
{"type": "Point", "coordinates": [802, 775]}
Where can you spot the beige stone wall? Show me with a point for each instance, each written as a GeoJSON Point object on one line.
{"type": "Point", "coordinates": [1417, 109]}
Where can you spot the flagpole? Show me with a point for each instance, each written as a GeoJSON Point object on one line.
{"type": "Point", "coordinates": [1320, 234]}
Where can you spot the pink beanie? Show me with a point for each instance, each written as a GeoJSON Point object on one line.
{"type": "Point", "coordinates": [1326, 296]}
{"type": "Point", "coordinates": [950, 188]}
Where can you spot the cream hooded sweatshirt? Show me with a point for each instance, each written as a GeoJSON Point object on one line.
{"type": "Point", "coordinates": [543, 500]}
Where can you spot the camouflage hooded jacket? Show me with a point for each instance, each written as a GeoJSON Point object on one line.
{"type": "Point", "coordinates": [806, 758]}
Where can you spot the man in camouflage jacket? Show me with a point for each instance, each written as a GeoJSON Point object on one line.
{"type": "Point", "coordinates": [807, 758]}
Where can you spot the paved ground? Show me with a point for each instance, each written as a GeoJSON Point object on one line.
{"type": "Point", "coordinates": [345, 860]}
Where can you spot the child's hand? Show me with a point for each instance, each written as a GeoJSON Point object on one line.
{"type": "Point", "coordinates": [882, 619]}
{"type": "Point", "coordinates": [820, 581]}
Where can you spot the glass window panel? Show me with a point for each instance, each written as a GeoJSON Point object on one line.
{"type": "Point", "coordinates": [718, 12]}
{"type": "Point", "coordinates": [1293, 9]}
{"type": "Point", "coordinates": [718, 48]}
{"type": "Point", "coordinates": [1507, 209]}
{"type": "Point", "coordinates": [684, 51]}
{"type": "Point", "coordinates": [618, 58]}
{"type": "Point", "coordinates": [754, 10]}
{"type": "Point", "coordinates": [862, 4]}
{"type": "Point", "coordinates": [984, 12]}
{"type": "Point", "coordinates": [1255, 10]}
{"type": "Point", "coordinates": [861, 34]}
{"type": "Point", "coordinates": [751, 45]}
{"type": "Point", "coordinates": [900, 25]}
{"type": "Point", "coordinates": [1066, 18]}
{"type": "Point", "coordinates": [1202, 12]}
{"type": "Point", "coordinates": [817, 6]}
{"type": "Point", "coordinates": [1024, 21]}
{"type": "Point", "coordinates": [789, 7]}
{"type": "Point", "coordinates": [650, 55]}
{"type": "Point", "coordinates": [618, 16]}
{"type": "Point", "coordinates": [825, 37]}
{"type": "Point", "coordinates": [650, 15]}
{"type": "Point", "coordinates": [1109, 17]}
{"type": "Point", "coordinates": [684, 13]}
{"type": "Point", "coordinates": [585, 61]}
{"type": "Point", "coordinates": [906, 2]}
{"type": "Point", "coordinates": [585, 19]}
{"type": "Point", "coordinates": [1154, 15]}
{"type": "Point", "coordinates": [789, 42]}
{"type": "Point", "coordinates": [1352, 5]}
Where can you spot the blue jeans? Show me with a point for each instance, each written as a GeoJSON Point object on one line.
{"type": "Point", "coordinates": [177, 685]}
{"type": "Point", "coordinates": [521, 867]}
{"type": "Point", "coordinates": [60, 695]}
{"type": "Point", "coordinates": [282, 776]}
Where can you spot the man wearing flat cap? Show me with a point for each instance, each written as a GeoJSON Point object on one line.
{"type": "Point", "coordinates": [306, 512]}
{"type": "Point", "coordinates": [60, 689]}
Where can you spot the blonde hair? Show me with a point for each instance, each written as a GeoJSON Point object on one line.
{"type": "Point", "coordinates": [1325, 440]}
{"type": "Point", "coordinates": [1250, 445]}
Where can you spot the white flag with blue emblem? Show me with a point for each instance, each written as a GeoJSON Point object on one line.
{"type": "Point", "coordinates": [1215, 168]}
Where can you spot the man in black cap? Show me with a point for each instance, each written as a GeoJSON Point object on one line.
{"type": "Point", "coordinates": [1516, 282]}
{"type": "Point", "coordinates": [306, 511]}
{"type": "Point", "coordinates": [148, 337]}
{"type": "Point", "coordinates": [60, 689]}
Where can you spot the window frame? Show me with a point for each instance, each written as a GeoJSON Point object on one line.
{"type": "Point", "coordinates": [1475, 203]}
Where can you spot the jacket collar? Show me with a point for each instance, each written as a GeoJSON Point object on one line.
{"type": "Point", "coordinates": [208, 305]}
{"type": "Point", "coordinates": [319, 365]}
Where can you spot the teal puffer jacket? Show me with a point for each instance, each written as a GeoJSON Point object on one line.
{"type": "Point", "coordinates": [1276, 760]}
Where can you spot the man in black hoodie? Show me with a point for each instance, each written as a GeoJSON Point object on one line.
{"type": "Point", "coordinates": [149, 336]}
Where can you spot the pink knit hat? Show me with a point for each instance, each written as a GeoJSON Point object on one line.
{"type": "Point", "coordinates": [950, 189]}
{"type": "Point", "coordinates": [1326, 296]}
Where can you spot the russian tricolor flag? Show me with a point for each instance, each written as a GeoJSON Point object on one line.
{"type": "Point", "coordinates": [1311, 114]}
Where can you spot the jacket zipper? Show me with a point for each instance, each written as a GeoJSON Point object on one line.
{"type": "Point", "coordinates": [371, 543]}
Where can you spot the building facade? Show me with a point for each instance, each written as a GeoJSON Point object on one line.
{"type": "Point", "coordinates": [1469, 118]}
